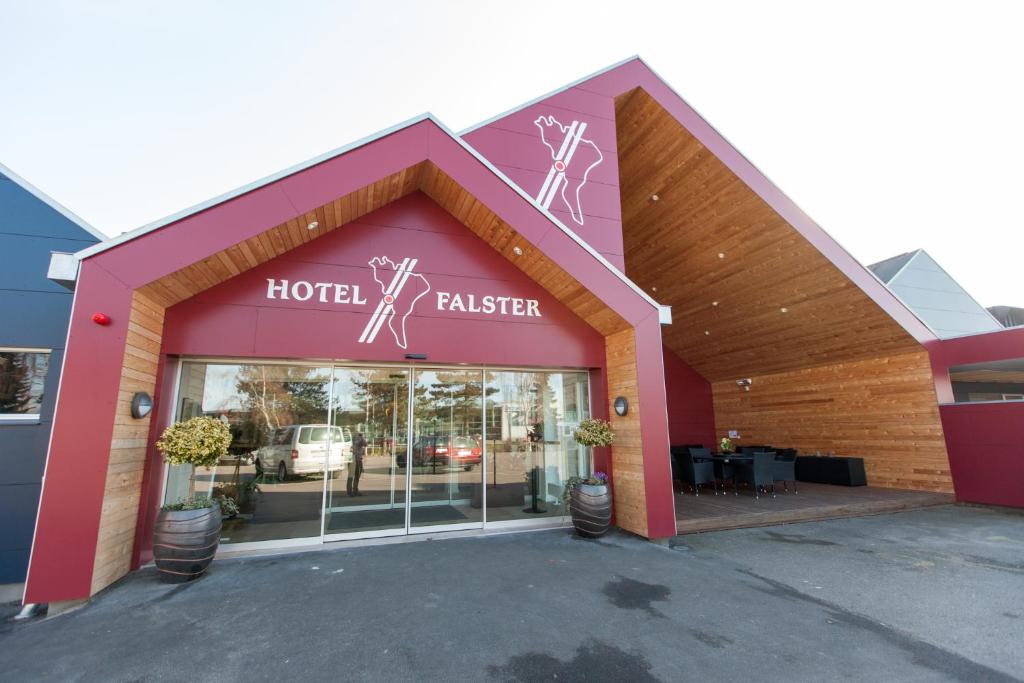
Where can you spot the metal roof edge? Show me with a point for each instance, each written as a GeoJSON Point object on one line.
{"type": "Point", "coordinates": [554, 92]}
{"type": "Point", "coordinates": [51, 202]}
{"type": "Point", "coordinates": [112, 242]}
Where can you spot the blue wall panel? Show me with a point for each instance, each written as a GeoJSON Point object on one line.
{"type": "Point", "coordinates": [35, 313]}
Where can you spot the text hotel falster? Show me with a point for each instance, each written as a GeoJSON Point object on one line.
{"type": "Point", "coordinates": [343, 293]}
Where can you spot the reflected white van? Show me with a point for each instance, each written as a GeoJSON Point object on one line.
{"type": "Point", "coordinates": [302, 449]}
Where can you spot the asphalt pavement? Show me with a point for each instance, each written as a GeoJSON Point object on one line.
{"type": "Point", "coordinates": [928, 595]}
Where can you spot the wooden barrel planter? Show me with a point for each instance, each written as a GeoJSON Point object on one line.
{"type": "Point", "coordinates": [591, 508]}
{"type": "Point", "coordinates": [185, 541]}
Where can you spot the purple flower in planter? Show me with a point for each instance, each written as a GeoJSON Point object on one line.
{"type": "Point", "coordinates": [601, 477]}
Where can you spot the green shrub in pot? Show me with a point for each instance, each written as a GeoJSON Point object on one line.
{"type": "Point", "coordinates": [187, 531]}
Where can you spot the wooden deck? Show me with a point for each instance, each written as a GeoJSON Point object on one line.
{"type": "Point", "coordinates": [709, 512]}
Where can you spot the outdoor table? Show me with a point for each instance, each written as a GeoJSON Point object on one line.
{"type": "Point", "coordinates": [724, 462]}
{"type": "Point", "coordinates": [732, 457]}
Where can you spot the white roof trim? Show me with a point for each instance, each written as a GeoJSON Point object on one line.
{"type": "Point", "coordinates": [244, 189]}
{"type": "Point", "coordinates": [664, 312]}
{"type": "Point", "coordinates": [556, 91]}
{"type": "Point", "coordinates": [51, 202]}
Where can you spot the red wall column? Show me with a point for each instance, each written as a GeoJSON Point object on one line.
{"type": "Point", "coordinates": [650, 375]}
{"type": "Point", "coordinates": [67, 528]}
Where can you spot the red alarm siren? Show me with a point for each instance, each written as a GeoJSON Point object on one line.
{"type": "Point", "coordinates": [101, 318]}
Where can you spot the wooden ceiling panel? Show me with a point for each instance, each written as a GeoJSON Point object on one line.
{"type": "Point", "coordinates": [709, 238]}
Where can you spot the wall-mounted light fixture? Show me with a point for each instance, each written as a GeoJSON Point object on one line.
{"type": "Point", "coordinates": [101, 318]}
{"type": "Point", "coordinates": [313, 225]}
{"type": "Point", "coordinates": [142, 405]}
{"type": "Point", "coordinates": [745, 383]}
{"type": "Point", "coordinates": [621, 406]}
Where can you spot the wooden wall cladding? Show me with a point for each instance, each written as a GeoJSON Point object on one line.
{"type": "Point", "coordinates": [672, 249]}
{"type": "Point", "coordinates": [128, 445]}
{"type": "Point", "coordinates": [628, 490]}
{"type": "Point", "coordinates": [882, 409]}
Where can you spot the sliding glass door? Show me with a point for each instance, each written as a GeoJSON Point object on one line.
{"type": "Point", "coordinates": [370, 410]}
{"type": "Point", "coordinates": [447, 449]}
{"type": "Point", "coordinates": [324, 452]}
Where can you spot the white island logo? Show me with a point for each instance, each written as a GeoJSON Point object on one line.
{"type": "Point", "coordinates": [573, 149]}
{"type": "Point", "coordinates": [398, 297]}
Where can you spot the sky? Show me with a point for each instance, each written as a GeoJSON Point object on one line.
{"type": "Point", "coordinates": [894, 125]}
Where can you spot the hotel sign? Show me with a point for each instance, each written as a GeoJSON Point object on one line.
{"type": "Point", "coordinates": [401, 291]}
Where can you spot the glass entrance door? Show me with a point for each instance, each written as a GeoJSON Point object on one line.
{"type": "Point", "coordinates": [446, 477]}
{"type": "Point", "coordinates": [370, 412]}
{"type": "Point", "coordinates": [329, 452]}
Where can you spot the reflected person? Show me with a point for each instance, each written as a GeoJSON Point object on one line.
{"type": "Point", "coordinates": [356, 471]}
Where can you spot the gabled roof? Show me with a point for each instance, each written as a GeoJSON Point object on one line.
{"type": "Point", "coordinates": [51, 202]}
{"type": "Point", "coordinates": [664, 312]}
{"type": "Point", "coordinates": [667, 152]}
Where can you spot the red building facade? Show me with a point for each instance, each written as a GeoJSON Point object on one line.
{"type": "Point", "coordinates": [479, 294]}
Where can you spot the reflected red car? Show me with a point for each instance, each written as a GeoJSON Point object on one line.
{"type": "Point", "coordinates": [460, 451]}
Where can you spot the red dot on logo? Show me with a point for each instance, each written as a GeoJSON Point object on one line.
{"type": "Point", "coordinates": [559, 166]}
{"type": "Point", "coordinates": [388, 299]}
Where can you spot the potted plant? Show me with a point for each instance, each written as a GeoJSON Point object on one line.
{"type": "Point", "coordinates": [187, 531]}
{"type": "Point", "coordinates": [726, 445]}
{"type": "Point", "coordinates": [588, 499]}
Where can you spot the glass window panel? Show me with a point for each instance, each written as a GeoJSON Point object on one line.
{"type": "Point", "coordinates": [447, 448]}
{"type": "Point", "coordinates": [276, 478]}
{"type": "Point", "coordinates": [22, 378]}
{"type": "Point", "coordinates": [992, 381]}
{"type": "Point", "coordinates": [371, 407]}
{"type": "Point", "coordinates": [531, 417]}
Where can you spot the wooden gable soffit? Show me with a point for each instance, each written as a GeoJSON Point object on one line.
{"type": "Point", "coordinates": [432, 181]}
{"type": "Point", "coordinates": [751, 294]}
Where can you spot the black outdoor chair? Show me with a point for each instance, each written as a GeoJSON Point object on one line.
{"type": "Point", "coordinates": [723, 471]}
{"type": "Point", "coordinates": [676, 459]}
{"type": "Point", "coordinates": [784, 468]}
{"type": "Point", "coordinates": [757, 473]}
{"type": "Point", "coordinates": [696, 471]}
{"type": "Point", "coordinates": [747, 450]}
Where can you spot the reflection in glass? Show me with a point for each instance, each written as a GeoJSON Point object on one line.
{"type": "Point", "coordinates": [22, 377]}
{"type": "Point", "coordinates": [291, 424]}
{"type": "Point", "coordinates": [530, 450]}
{"type": "Point", "coordinates": [281, 446]}
{"type": "Point", "coordinates": [1001, 380]}
{"type": "Point", "coordinates": [447, 448]}
{"type": "Point", "coordinates": [371, 410]}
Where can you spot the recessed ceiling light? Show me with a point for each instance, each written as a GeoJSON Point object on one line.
{"type": "Point", "coordinates": [784, 310]}
{"type": "Point", "coordinates": [714, 303]}
{"type": "Point", "coordinates": [654, 197]}
{"type": "Point", "coordinates": [721, 255]}
{"type": "Point", "coordinates": [654, 289]}
{"type": "Point", "coordinates": [313, 226]}
{"type": "Point", "coordinates": [707, 332]}
{"type": "Point", "coordinates": [518, 251]}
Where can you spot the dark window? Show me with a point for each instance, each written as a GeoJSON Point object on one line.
{"type": "Point", "coordinates": [22, 377]}
{"type": "Point", "coordinates": [993, 381]}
